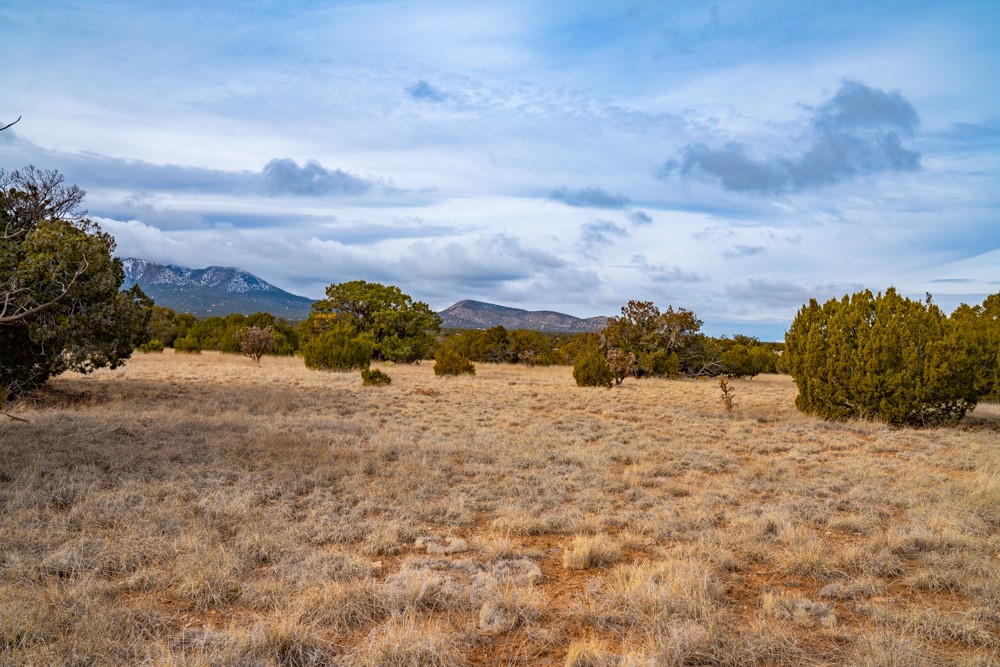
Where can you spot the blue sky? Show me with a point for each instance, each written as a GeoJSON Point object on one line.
{"type": "Point", "coordinates": [733, 158]}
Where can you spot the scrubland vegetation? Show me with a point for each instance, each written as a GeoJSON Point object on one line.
{"type": "Point", "coordinates": [207, 510]}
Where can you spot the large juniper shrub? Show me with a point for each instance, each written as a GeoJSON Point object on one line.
{"type": "Point", "coordinates": [881, 357]}
{"type": "Point", "coordinates": [338, 349]}
{"type": "Point", "coordinates": [449, 361]}
{"type": "Point", "coordinates": [592, 370]}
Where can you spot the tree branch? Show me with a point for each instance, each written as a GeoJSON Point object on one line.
{"type": "Point", "coordinates": [10, 124]}
{"type": "Point", "coordinates": [20, 315]}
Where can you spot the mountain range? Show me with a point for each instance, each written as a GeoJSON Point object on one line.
{"type": "Point", "coordinates": [219, 290]}
{"type": "Point", "coordinates": [216, 290]}
{"type": "Point", "coordinates": [478, 315]}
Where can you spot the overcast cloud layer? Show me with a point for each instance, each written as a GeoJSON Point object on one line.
{"type": "Point", "coordinates": [734, 158]}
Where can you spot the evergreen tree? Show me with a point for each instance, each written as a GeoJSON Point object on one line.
{"type": "Point", "coordinates": [396, 327]}
{"type": "Point", "coordinates": [61, 304]}
{"type": "Point", "coordinates": [881, 357]}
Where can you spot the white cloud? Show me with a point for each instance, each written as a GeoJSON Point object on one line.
{"type": "Point", "coordinates": [461, 151]}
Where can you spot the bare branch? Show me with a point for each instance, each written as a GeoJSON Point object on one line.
{"type": "Point", "coordinates": [15, 417]}
{"type": "Point", "coordinates": [21, 314]}
{"type": "Point", "coordinates": [10, 124]}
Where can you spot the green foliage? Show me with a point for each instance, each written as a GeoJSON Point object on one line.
{"type": "Point", "coordinates": [653, 336]}
{"type": "Point", "coordinates": [449, 361]}
{"type": "Point", "coordinates": [661, 363]}
{"type": "Point", "coordinates": [747, 357]}
{"type": "Point", "coordinates": [979, 326]}
{"type": "Point", "coordinates": [591, 370]}
{"type": "Point", "coordinates": [186, 333]}
{"type": "Point", "coordinates": [396, 327]}
{"type": "Point", "coordinates": [163, 325]}
{"type": "Point", "coordinates": [61, 307]}
{"type": "Point", "coordinates": [577, 346]}
{"type": "Point", "coordinates": [373, 377]}
{"type": "Point", "coordinates": [533, 348]}
{"type": "Point", "coordinates": [188, 344]}
{"type": "Point", "coordinates": [882, 357]}
{"type": "Point", "coordinates": [154, 345]}
{"type": "Point", "coordinates": [497, 345]}
{"type": "Point", "coordinates": [338, 349]}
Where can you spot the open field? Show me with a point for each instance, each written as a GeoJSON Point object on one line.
{"type": "Point", "coordinates": [199, 510]}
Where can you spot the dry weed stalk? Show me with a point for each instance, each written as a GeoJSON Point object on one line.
{"type": "Point", "coordinates": [727, 397]}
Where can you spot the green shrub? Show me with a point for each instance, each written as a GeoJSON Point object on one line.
{"type": "Point", "coordinates": [373, 377]}
{"type": "Point", "coordinates": [188, 343]}
{"type": "Point", "coordinates": [592, 370]}
{"type": "Point", "coordinates": [884, 357]}
{"type": "Point", "coordinates": [338, 349]}
{"type": "Point", "coordinates": [662, 363]}
{"type": "Point", "coordinates": [154, 345]}
{"type": "Point", "coordinates": [980, 327]}
{"type": "Point", "coordinates": [448, 361]}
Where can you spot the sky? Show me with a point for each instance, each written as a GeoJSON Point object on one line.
{"type": "Point", "coordinates": [732, 158]}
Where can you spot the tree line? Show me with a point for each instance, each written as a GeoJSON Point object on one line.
{"type": "Point", "coordinates": [871, 356]}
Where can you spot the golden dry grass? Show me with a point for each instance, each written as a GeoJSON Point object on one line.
{"type": "Point", "coordinates": [202, 510]}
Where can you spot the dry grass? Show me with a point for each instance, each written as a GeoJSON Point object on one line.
{"type": "Point", "coordinates": [201, 510]}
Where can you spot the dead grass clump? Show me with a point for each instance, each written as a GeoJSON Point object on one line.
{"type": "Point", "coordinates": [589, 653]}
{"type": "Point", "coordinates": [341, 605]}
{"type": "Point", "coordinates": [404, 641]}
{"type": "Point", "coordinates": [797, 609]}
{"type": "Point", "coordinates": [507, 605]}
{"type": "Point", "coordinates": [587, 551]}
{"type": "Point", "coordinates": [431, 584]}
{"type": "Point", "coordinates": [205, 577]}
{"type": "Point", "coordinates": [855, 589]}
{"type": "Point", "coordinates": [874, 559]}
{"type": "Point", "coordinates": [761, 642]}
{"type": "Point", "coordinates": [654, 594]}
{"type": "Point", "coordinates": [497, 547]}
{"type": "Point", "coordinates": [441, 546]}
{"type": "Point", "coordinates": [984, 494]}
{"type": "Point", "coordinates": [388, 538]}
{"type": "Point", "coordinates": [73, 623]}
{"type": "Point", "coordinates": [285, 641]}
{"type": "Point", "coordinates": [519, 521]}
{"type": "Point", "coordinates": [98, 555]}
{"type": "Point", "coordinates": [803, 553]}
{"type": "Point", "coordinates": [889, 648]}
{"type": "Point", "coordinates": [319, 567]}
{"type": "Point", "coordinates": [973, 627]}
{"type": "Point", "coordinates": [681, 643]}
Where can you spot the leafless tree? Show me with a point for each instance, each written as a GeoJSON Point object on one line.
{"type": "Point", "coordinates": [255, 342]}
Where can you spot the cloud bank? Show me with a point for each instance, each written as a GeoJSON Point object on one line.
{"type": "Point", "coordinates": [857, 131]}
{"type": "Point", "coordinates": [425, 92]}
{"type": "Point", "coordinates": [285, 177]}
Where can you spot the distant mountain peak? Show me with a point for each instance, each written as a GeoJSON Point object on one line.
{"type": "Point", "coordinates": [469, 314]}
{"type": "Point", "coordinates": [214, 290]}
{"type": "Point", "coordinates": [221, 290]}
